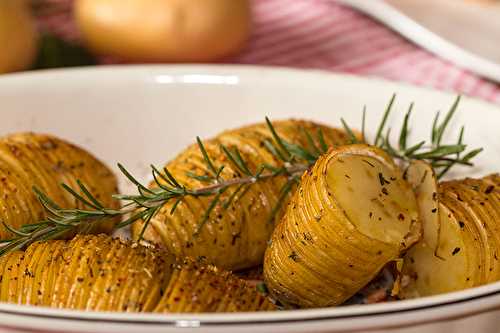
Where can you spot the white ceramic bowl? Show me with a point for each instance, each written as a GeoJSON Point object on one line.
{"type": "Point", "coordinates": [146, 114]}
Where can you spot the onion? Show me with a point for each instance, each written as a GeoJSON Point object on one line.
{"type": "Point", "coordinates": [164, 30]}
{"type": "Point", "coordinates": [18, 36]}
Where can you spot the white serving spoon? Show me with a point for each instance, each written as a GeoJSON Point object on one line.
{"type": "Point", "coordinates": [463, 32]}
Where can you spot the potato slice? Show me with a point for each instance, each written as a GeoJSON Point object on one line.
{"type": "Point", "coordinates": [429, 274]}
{"type": "Point", "coordinates": [469, 241]}
{"type": "Point", "coordinates": [423, 179]}
{"type": "Point", "coordinates": [352, 214]}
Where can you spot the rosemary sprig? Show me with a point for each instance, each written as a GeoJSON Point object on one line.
{"type": "Point", "coordinates": [441, 156]}
{"type": "Point", "coordinates": [147, 201]}
{"type": "Point", "coordinates": [294, 160]}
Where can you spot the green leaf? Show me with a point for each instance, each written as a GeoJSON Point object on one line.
{"type": "Point", "coordinates": [236, 159]}
{"type": "Point", "coordinates": [469, 156]}
{"type": "Point", "coordinates": [312, 146]}
{"type": "Point", "coordinates": [404, 131]}
{"type": "Point", "coordinates": [207, 213]}
{"type": "Point", "coordinates": [322, 142]}
{"type": "Point", "coordinates": [440, 152]}
{"type": "Point", "coordinates": [133, 180]}
{"type": "Point", "coordinates": [381, 127]}
{"type": "Point", "coordinates": [349, 131]}
{"type": "Point", "coordinates": [442, 127]}
{"type": "Point", "coordinates": [277, 138]}
{"type": "Point", "coordinates": [201, 178]}
{"type": "Point", "coordinates": [206, 158]}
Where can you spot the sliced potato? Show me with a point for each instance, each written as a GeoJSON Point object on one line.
{"type": "Point", "coordinates": [99, 273]}
{"type": "Point", "coordinates": [448, 268]}
{"type": "Point", "coordinates": [352, 214]}
{"type": "Point", "coordinates": [28, 159]}
{"type": "Point", "coordinates": [423, 179]}
{"type": "Point", "coordinates": [469, 240]}
{"type": "Point", "coordinates": [234, 237]}
{"type": "Point", "coordinates": [197, 288]}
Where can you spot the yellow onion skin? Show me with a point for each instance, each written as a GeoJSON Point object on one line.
{"type": "Point", "coordinates": [468, 249]}
{"type": "Point", "coordinates": [100, 273]}
{"type": "Point", "coordinates": [234, 237]}
{"type": "Point", "coordinates": [18, 36]}
{"type": "Point", "coordinates": [44, 161]}
{"type": "Point", "coordinates": [320, 254]}
{"type": "Point", "coordinates": [164, 30]}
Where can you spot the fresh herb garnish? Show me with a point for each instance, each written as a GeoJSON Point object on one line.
{"type": "Point", "coordinates": [295, 160]}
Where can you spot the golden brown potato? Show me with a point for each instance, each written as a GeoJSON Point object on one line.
{"type": "Point", "coordinates": [28, 159]}
{"type": "Point", "coordinates": [236, 237]}
{"type": "Point", "coordinates": [196, 288]}
{"type": "Point", "coordinates": [99, 273]}
{"type": "Point", "coordinates": [468, 241]}
{"type": "Point", "coordinates": [352, 214]}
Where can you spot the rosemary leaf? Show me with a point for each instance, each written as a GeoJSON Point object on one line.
{"type": "Point", "coordinates": [381, 127]}
{"type": "Point", "coordinates": [312, 146]}
{"type": "Point", "coordinates": [440, 152]}
{"type": "Point", "coordinates": [442, 128]}
{"type": "Point", "coordinates": [403, 137]}
{"type": "Point", "coordinates": [322, 142]}
{"type": "Point", "coordinates": [209, 210]}
{"type": "Point", "coordinates": [277, 138]}
{"type": "Point", "coordinates": [349, 131]}
{"type": "Point", "coordinates": [206, 158]}
{"type": "Point", "coordinates": [236, 159]}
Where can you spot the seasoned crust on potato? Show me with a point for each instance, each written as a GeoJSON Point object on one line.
{"type": "Point", "coordinates": [29, 159]}
{"type": "Point", "coordinates": [352, 214]}
{"type": "Point", "coordinates": [236, 237]}
{"type": "Point", "coordinates": [100, 273]}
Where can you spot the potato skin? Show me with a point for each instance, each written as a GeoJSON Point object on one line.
{"type": "Point", "coordinates": [28, 159]}
{"type": "Point", "coordinates": [319, 254]}
{"type": "Point", "coordinates": [469, 241]}
{"type": "Point", "coordinates": [100, 273]}
{"type": "Point", "coordinates": [196, 288]}
{"type": "Point", "coordinates": [236, 237]}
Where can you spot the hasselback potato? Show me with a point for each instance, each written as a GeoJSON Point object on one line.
{"type": "Point", "coordinates": [234, 237]}
{"type": "Point", "coordinates": [28, 159]}
{"type": "Point", "coordinates": [467, 250]}
{"type": "Point", "coordinates": [99, 273]}
{"type": "Point", "coordinates": [194, 287]}
{"type": "Point", "coordinates": [352, 214]}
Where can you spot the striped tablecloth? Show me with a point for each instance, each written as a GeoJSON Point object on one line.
{"type": "Point", "coordinates": [322, 34]}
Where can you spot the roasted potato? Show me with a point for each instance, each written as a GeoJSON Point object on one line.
{"type": "Point", "coordinates": [28, 159]}
{"type": "Point", "coordinates": [99, 273]}
{"type": "Point", "coordinates": [197, 288]}
{"type": "Point", "coordinates": [234, 237]}
{"type": "Point", "coordinates": [352, 214]}
{"type": "Point", "coordinates": [468, 241]}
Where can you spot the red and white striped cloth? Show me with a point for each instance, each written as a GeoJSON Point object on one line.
{"type": "Point", "coordinates": [322, 34]}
